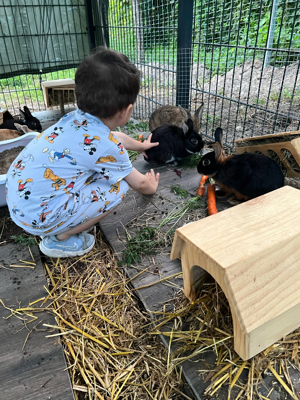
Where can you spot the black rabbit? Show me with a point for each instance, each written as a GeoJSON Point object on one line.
{"type": "Point", "coordinates": [246, 175]}
{"type": "Point", "coordinates": [174, 143]}
{"type": "Point", "coordinates": [32, 122]}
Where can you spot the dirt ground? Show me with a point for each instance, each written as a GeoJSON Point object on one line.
{"type": "Point", "coordinates": [7, 157]}
{"type": "Point", "coordinates": [7, 227]}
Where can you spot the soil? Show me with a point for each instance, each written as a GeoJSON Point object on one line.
{"type": "Point", "coordinates": [6, 134]}
{"type": "Point", "coordinates": [7, 227]}
{"type": "Point", "coordinates": [7, 157]}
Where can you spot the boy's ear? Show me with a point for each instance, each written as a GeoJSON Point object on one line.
{"type": "Point", "coordinates": [125, 111]}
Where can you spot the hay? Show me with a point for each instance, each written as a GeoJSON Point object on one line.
{"type": "Point", "coordinates": [104, 332]}
{"type": "Point", "coordinates": [288, 156]}
{"type": "Point", "coordinates": [210, 328]}
{"type": "Point", "coordinates": [278, 161]}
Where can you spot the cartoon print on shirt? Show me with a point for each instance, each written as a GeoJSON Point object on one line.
{"type": "Point", "coordinates": [88, 144]}
{"type": "Point", "coordinates": [103, 209]}
{"type": "Point", "coordinates": [20, 164]}
{"type": "Point", "coordinates": [45, 200]}
{"type": "Point", "coordinates": [90, 180]}
{"type": "Point", "coordinates": [56, 132]}
{"type": "Point", "coordinates": [116, 141]}
{"type": "Point", "coordinates": [81, 124]}
{"type": "Point", "coordinates": [73, 211]}
{"type": "Point", "coordinates": [37, 137]}
{"type": "Point", "coordinates": [57, 181]}
{"type": "Point", "coordinates": [95, 195]}
{"type": "Point", "coordinates": [23, 188]}
{"type": "Point", "coordinates": [106, 159]}
{"type": "Point", "coordinates": [15, 210]}
{"type": "Point", "coordinates": [56, 155]}
{"type": "Point", "coordinates": [115, 188]}
{"type": "Point", "coordinates": [104, 173]}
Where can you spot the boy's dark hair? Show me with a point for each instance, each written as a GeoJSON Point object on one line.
{"type": "Point", "coordinates": [106, 82]}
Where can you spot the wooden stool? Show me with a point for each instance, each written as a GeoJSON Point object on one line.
{"type": "Point", "coordinates": [59, 93]}
{"type": "Point", "coordinates": [253, 251]}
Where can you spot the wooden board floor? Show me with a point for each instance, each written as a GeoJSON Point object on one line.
{"type": "Point", "coordinates": [125, 221]}
{"type": "Point", "coordinates": [34, 369]}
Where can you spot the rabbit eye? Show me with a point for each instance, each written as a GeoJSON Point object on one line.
{"type": "Point", "coordinates": [194, 141]}
{"type": "Point", "coordinates": [206, 162]}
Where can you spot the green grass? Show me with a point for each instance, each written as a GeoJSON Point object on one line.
{"type": "Point", "coordinates": [190, 162]}
{"type": "Point", "coordinates": [24, 239]}
{"type": "Point", "coordinates": [259, 102]}
{"type": "Point", "coordinates": [179, 191]}
{"type": "Point", "coordinates": [142, 243]}
{"type": "Point", "coordinates": [148, 239]}
{"type": "Point", "coordinates": [131, 127]}
{"type": "Point", "coordinates": [30, 83]}
{"type": "Point", "coordinates": [133, 155]}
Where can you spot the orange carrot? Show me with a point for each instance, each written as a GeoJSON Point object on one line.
{"type": "Point", "coordinates": [141, 137]}
{"type": "Point", "coordinates": [201, 188]}
{"type": "Point", "coordinates": [211, 200]}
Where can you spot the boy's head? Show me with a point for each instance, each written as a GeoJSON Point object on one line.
{"type": "Point", "coordinates": [106, 82]}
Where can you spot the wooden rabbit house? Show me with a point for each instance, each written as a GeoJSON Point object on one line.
{"type": "Point", "coordinates": [252, 250]}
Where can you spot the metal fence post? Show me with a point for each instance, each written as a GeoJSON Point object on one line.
{"type": "Point", "coordinates": [184, 44]}
{"type": "Point", "coordinates": [271, 32]}
{"type": "Point", "coordinates": [90, 24]}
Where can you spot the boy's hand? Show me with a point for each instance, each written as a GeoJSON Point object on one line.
{"type": "Point", "coordinates": [148, 145]}
{"type": "Point", "coordinates": [153, 179]}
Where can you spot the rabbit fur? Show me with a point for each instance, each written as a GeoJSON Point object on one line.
{"type": "Point", "coordinates": [32, 122]}
{"type": "Point", "coordinates": [176, 116]}
{"type": "Point", "coordinates": [246, 175]}
{"type": "Point", "coordinates": [174, 143]}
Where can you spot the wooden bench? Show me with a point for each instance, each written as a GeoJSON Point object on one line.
{"type": "Point", "coordinates": [253, 251]}
{"type": "Point", "coordinates": [58, 93]}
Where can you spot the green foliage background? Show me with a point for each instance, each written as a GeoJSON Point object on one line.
{"type": "Point", "coordinates": [219, 27]}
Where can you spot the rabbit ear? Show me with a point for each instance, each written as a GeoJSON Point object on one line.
{"type": "Point", "coordinates": [27, 112]}
{"type": "Point", "coordinates": [219, 136]}
{"type": "Point", "coordinates": [199, 112]}
{"type": "Point", "coordinates": [218, 150]}
{"type": "Point", "coordinates": [184, 112]}
{"type": "Point", "coordinates": [185, 128]}
{"type": "Point", "coordinates": [22, 113]}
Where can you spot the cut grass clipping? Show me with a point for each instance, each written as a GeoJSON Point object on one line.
{"type": "Point", "coordinates": [148, 240]}
{"type": "Point", "coordinates": [24, 239]}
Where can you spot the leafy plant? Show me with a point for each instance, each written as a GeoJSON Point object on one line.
{"type": "Point", "coordinates": [24, 239]}
{"type": "Point", "coordinates": [190, 162]}
{"type": "Point", "coordinates": [133, 155]}
{"type": "Point", "coordinates": [131, 127]}
{"type": "Point", "coordinates": [179, 191]}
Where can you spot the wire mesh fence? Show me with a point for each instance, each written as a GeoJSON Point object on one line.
{"type": "Point", "coordinates": [241, 58]}
{"type": "Point", "coordinates": [243, 62]}
{"type": "Point", "coordinates": [44, 40]}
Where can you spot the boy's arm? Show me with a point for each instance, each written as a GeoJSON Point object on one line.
{"type": "Point", "coordinates": [144, 184]}
{"type": "Point", "coordinates": [135, 145]}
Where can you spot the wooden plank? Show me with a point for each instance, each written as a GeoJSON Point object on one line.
{"type": "Point", "coordinates": [157, 296]}
{"type": "Point", "coordinates": [68, 82]}
{"type": "Point", "coordinates": [34, 369]}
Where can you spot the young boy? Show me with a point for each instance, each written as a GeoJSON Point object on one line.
{"type": "Point", "coordinates": [73, 174]}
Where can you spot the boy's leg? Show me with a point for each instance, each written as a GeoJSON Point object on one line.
{"type": "Point", "coordinates": [70, 239]}
{"type": "Point", "coordinates": [73, 242]}
{"type": "Point", "coordinates": [82, 227]}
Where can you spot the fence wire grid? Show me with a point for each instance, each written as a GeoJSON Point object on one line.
{"type": "Point", "coordinates": [241, 58]}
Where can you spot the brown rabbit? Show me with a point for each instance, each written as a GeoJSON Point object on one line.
{"type": "Point", "coordinates": [175, 116]}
